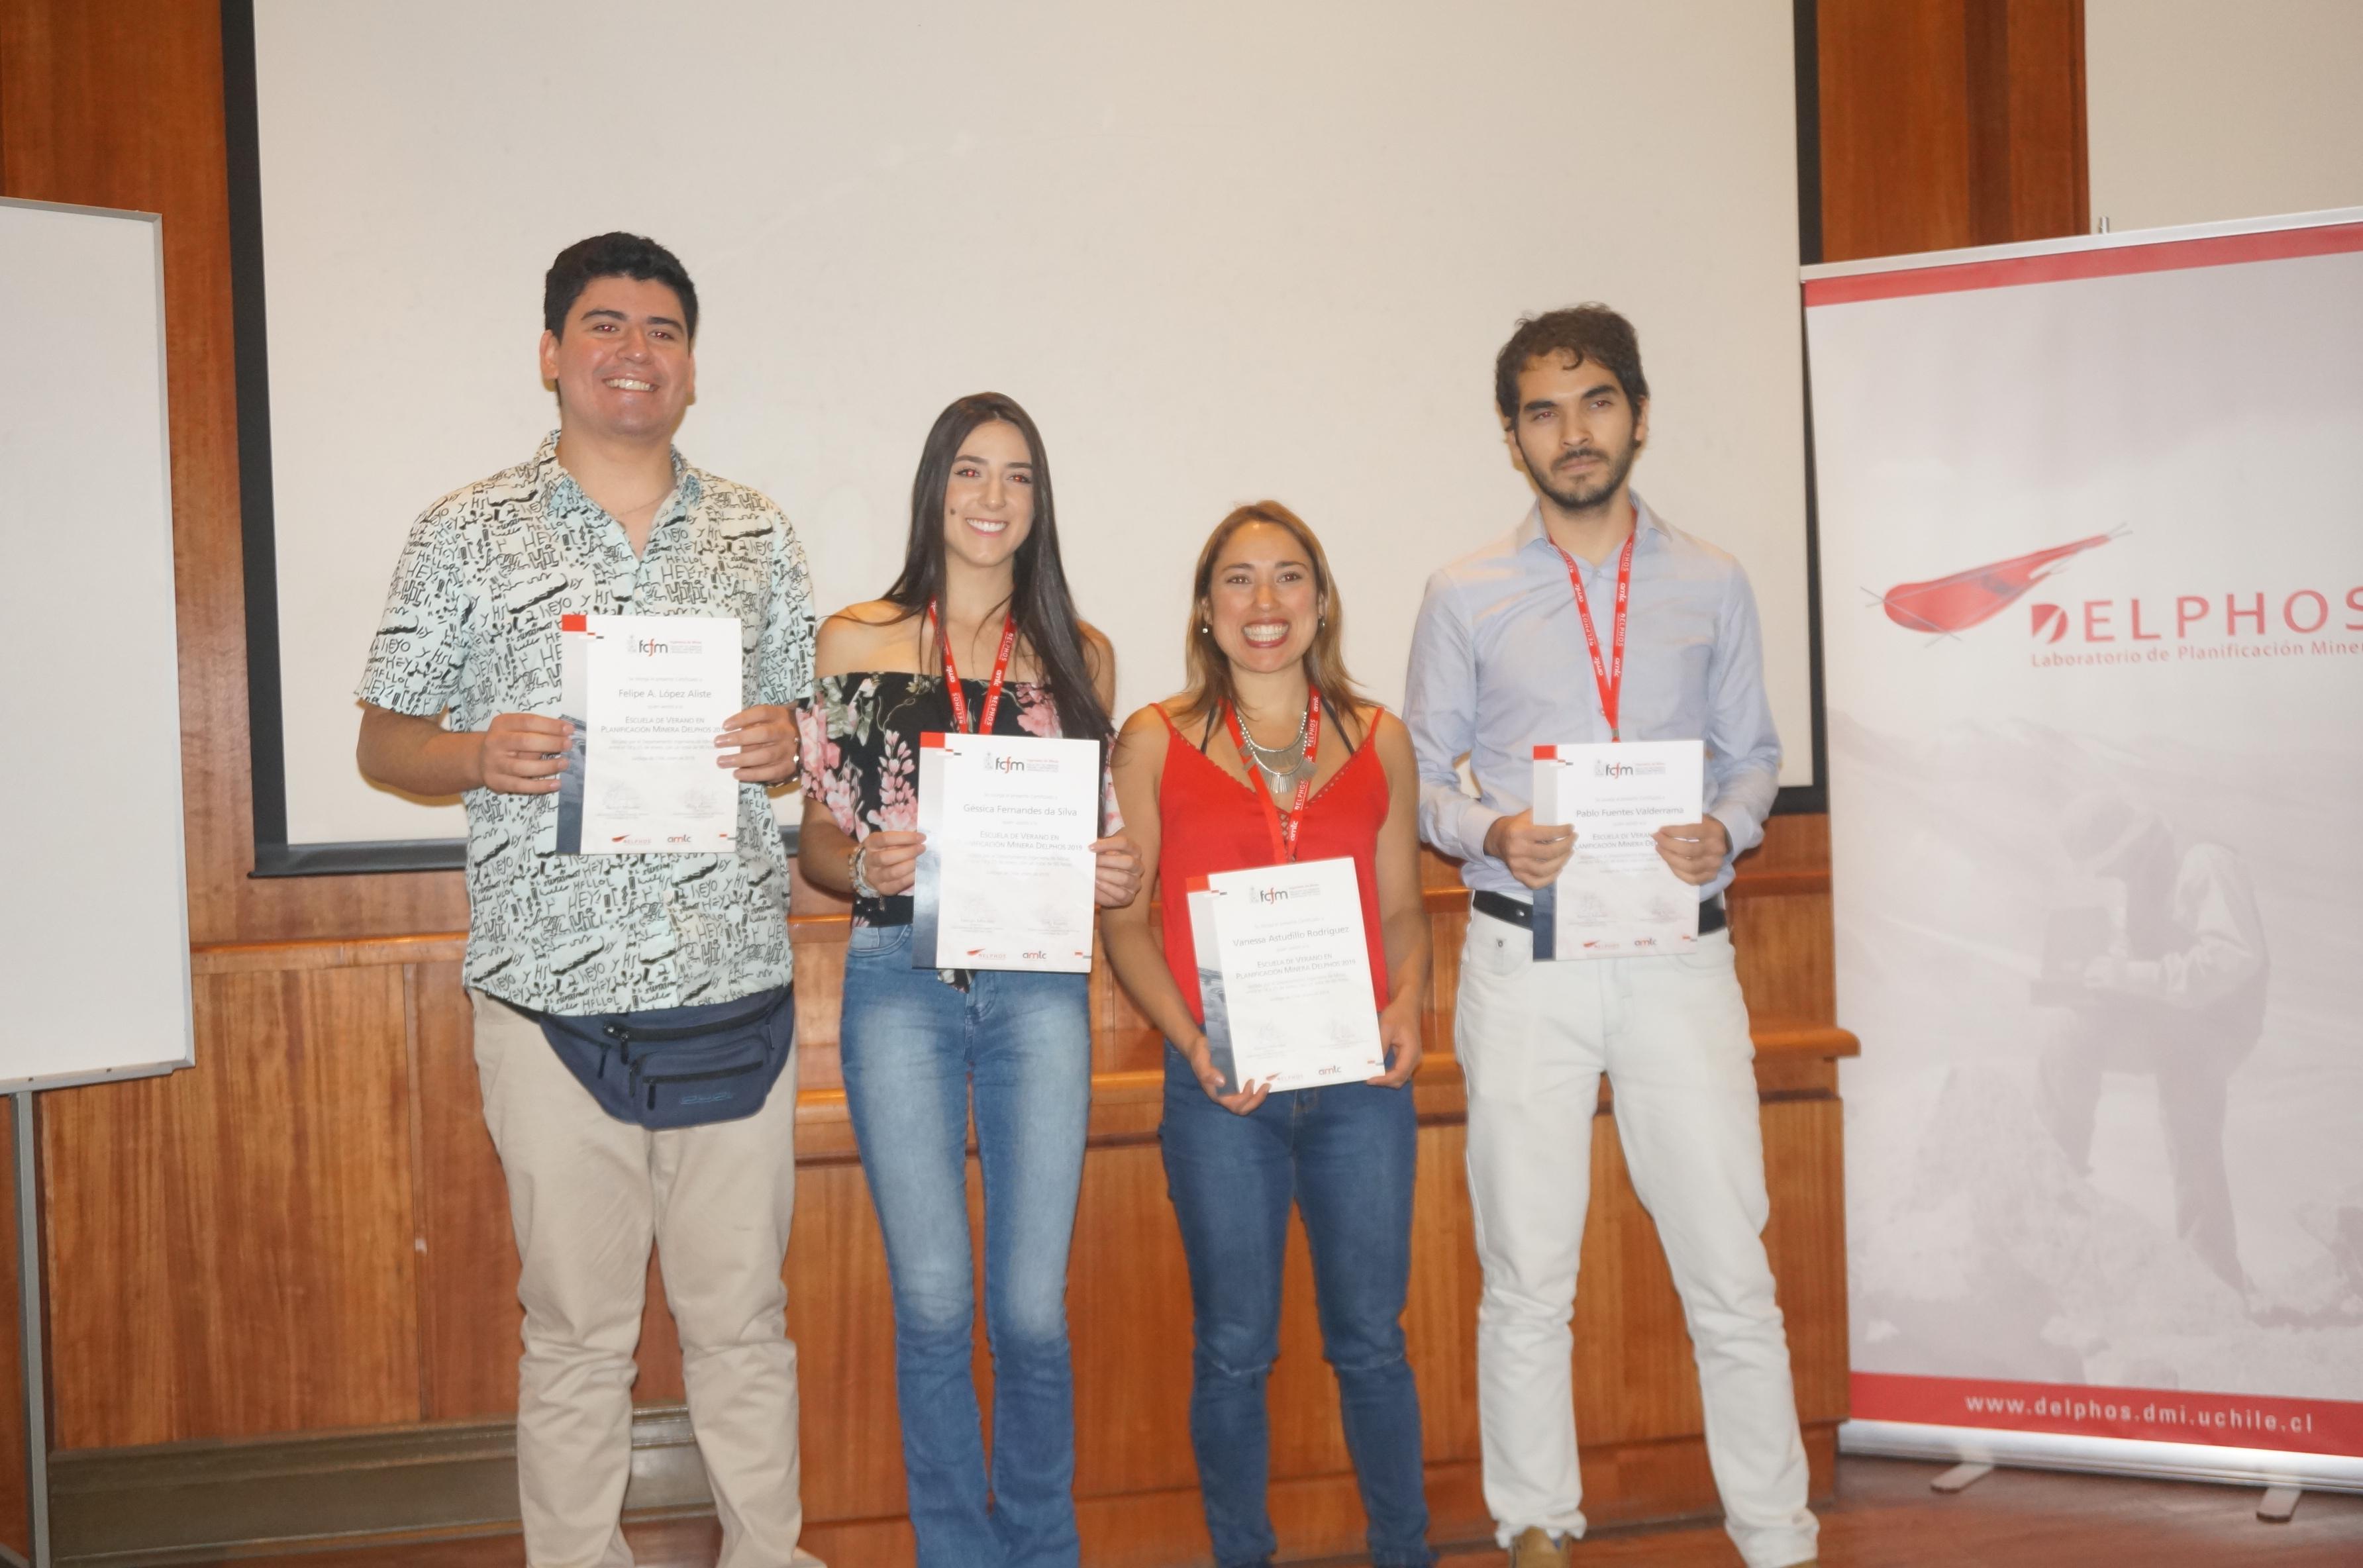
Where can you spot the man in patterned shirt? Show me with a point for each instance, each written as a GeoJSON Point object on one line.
{"type": "Point", "coordinates": [605, 518]}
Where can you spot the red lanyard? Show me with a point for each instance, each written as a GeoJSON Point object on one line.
{"type": "Point", "coordinates": [1283, 831]}
{"type": "Point", "coordinates": [1608, 676]}
{"type": "Point", "coordinates": [951, 672]}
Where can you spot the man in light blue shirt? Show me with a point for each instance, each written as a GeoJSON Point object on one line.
{"type": "Point", "coordinates": [1504, 660]}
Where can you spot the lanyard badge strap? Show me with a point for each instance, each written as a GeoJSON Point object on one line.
{"type": "Point", "coordinates": [1607, 675]}
{"type": "Point", "coordinates": [951, 672]}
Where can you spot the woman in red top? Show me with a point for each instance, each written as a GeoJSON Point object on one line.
{"type": "Point", "coordinates": [1337, 779]}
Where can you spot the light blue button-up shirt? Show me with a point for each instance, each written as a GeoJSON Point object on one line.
{"type": "Point", "coordinates": [1499, 665]}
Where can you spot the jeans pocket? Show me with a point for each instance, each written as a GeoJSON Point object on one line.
{"type": "Point", "coordinates": [873, 941]}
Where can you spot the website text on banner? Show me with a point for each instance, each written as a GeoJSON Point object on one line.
{"type": "Point", "coordinates": [2092, 556]}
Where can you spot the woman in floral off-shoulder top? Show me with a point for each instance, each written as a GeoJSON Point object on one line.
{"type": "Point", "coordinates": [978, 633]}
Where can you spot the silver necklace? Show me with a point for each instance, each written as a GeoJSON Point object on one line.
{"type": "Point", "coordinates": [1291, 754]}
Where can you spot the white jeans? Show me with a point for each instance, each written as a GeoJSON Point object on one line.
{"type": "Point", "coordinates": [1672, 1033]}
{"type": "Point", "coordinates": [587, 1195]}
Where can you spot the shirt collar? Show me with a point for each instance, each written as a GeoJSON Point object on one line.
{"type": "Point", "coordinates": [557, 486]}
{"type": "Point", "coordinates": [1530, 534]}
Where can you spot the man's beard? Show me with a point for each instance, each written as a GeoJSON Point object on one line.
{"type": "Point", "coordinates": [1588, 498]}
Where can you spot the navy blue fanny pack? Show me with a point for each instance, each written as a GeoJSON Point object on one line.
{"type": "Point", "coordinates": [678, 1067]}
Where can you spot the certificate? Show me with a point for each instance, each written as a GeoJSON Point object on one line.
{"type": "Point", "coordinates": [1618, 897]}
{"type": "Point", "coordinates": [1295, 968]}
{"type": "Point", "coordinates": [1007, 877]}
{"type": "Point", "coordinates": [647, 694]}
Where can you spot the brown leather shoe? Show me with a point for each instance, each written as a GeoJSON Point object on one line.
{"type": "Point", "coordinates": [1535, 1548]}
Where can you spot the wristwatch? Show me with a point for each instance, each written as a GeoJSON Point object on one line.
{"type": "Point", "coordinates": [857, 873]}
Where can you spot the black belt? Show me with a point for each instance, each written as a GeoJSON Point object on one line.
{"type": "Point", "coordinates": [1500, 906]}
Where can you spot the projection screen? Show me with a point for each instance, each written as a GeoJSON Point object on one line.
{"type": "Point", "coordinates": [1221, 251]}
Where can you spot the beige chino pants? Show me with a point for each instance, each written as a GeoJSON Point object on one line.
{"type": "Point", "coordinates": [588, 1194]}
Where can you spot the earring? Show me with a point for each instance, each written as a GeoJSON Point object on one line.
{"type": "Point", "coordinates": [1204, 630]}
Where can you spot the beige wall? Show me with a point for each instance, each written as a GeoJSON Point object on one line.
{"type": "Point", "coordinates": [2206, 110]}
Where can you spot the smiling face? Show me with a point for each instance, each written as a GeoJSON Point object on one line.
{"type": "Point", "coordinates": [1576, 433]}
{"type": "Point", "coordinates": [989, 498]}
{"type": "Point", "coordinates": [623, 367]}
{"type": "Point", "coordinates": [1262, 600]}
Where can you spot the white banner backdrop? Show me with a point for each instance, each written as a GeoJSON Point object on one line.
{"type": "Point", "coordinates": [2091, 553]}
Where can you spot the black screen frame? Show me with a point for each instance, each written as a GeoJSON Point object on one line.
{"type": "Point", "coordinates": [1813, 797]}
{"type": "Point", "coordinates": [266, 734]}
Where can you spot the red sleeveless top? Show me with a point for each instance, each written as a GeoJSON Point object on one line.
{"type": "Point", "coordinates": [1209, 822]}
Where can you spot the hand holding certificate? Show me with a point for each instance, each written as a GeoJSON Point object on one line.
{"type": "Point", "coordinates": [647, 695]}
{"type": "Point", "coordinates": [1007, 878]}
{"type": "Point", "coordinates": [1293, 968]}
{"type": "Point", "coordinates": [1618, 897]}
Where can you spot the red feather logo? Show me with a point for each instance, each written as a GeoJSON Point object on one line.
{"type": "Point", "coordinates": [1946, 605]}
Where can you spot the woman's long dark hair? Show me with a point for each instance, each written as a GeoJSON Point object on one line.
{"type": "Point", "coordinates": [1038, 596]}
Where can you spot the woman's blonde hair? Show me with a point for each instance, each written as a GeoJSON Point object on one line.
{"type": "Point", "coordinates": [1209, 686]}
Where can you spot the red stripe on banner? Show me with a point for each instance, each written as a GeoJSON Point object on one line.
{"type": "Point", "coordinates": [574, 623]}
{"type": "Point", "coordinates": [931, 740]}
{"type": "Point", "coordinates": [2151, 1415]}
{"type": "Point", "coordinates": [2066, 266]}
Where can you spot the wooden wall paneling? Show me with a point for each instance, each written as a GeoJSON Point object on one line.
{"type": "Point", "coordinates": [15, 1523]}
{"type": "Point", "coordinates": [232, 1250]}
{"type": "Point", "coordinates": [1806, 1240]}
{"type": "Point", "coordinates": [2025, 70]}
{"type": "Point", "coordinates": [660, 1381]}
{"type": "Point", "coordinates": [468, 1313]}
{"type": "Point", "coordinates": [819, 944]}
{"type": "Point", "coordinates": [1128, 1321]}
{"type": "Point", "coordinates": [2049, 172]}
{"type": "Point", "coordinates": [1440, 1319]}
{"type": "Point", "coordinates": [1894, 125]}
{"type": "Point", "coordinates": [1780, 906]}
{"type": "Point", "coordinates": [841, 1316]}
{"type": "Point", "coordinates": [1785, 957]}
{"type": "Point", "coordinates": [1950, 123]}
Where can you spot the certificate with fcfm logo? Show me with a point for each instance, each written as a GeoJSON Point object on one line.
{"type": "Point", "coordinates": [1618, 897]}
{"type": "Point", "coordinates": [1006, 880]}
{"type": "Point", "coordinates": [647, 694]}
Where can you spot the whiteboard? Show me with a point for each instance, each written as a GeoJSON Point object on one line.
{"type": "Point", "coordinates": [1221, 251]}
{"type": "Point", "coordinates": [94, 926]}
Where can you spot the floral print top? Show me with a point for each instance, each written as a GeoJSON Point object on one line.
{"type": "Point", "coordinates": [860, 741]}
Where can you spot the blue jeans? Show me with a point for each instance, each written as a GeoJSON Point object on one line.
{"type": "Point", "coordinates": [912, 1046]}
{"type": "Point", "coordinates": [1344, 1155]}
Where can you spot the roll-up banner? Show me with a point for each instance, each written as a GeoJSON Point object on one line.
{"type": "Point", "coordinates": [2090, 520]}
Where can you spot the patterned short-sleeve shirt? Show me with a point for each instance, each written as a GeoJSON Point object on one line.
{"type": "Point", "coordinates": [471, 626]}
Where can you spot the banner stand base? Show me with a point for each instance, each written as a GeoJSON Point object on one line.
{"type": "Point", "coordinates": [2105, 1456]}
{"type": "Point", "coordinates": [2280, 1504]}
{"type": "Point", "coordinates": [1961, 1477]}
